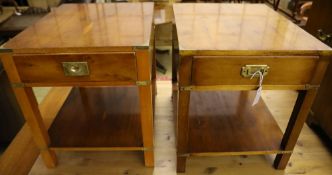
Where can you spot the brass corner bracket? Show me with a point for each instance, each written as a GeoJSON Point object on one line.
{"type": "Point", "coordinates": [309, 86]}
{"type": "Point", "coordinates": [141, 47]}
{"type": "Point", "coordinates": [184, 155]}
{"type": "Point", "coordinates": [186, 88]}
{"type": "Point", "coordinates": [146, 149]}
{"type": "Point", "coordinates": [5, 50]}
{"type": "Point", "coordinates": [18, 85]}
{"type": "Point", "coordinates": [143, 83]}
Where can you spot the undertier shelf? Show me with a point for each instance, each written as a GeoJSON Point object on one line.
{"type": "Point", "coordinates": [224, 122]}
{"type": "Point", "coordinates": [98, 118]}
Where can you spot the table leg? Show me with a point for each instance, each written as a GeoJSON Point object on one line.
{"type": "Point", "coordinates": [175, 54]}
{"type": "Point", "coordinates": [154, 77]}
{"type": "Point", "coordinates": [276, 4]}
{"type": "Point", "coordinates": [144, 66]}
{"type": "Point", "coordinates": [154, 70]}
{"type": "Point", "coordinates": [182, 129]}
{"type": "Point", "coordinates": [181, 164]}
{"type": "Point", "coordinates": [30, 110]}
{"type": "Point", "coordinates": [145, 93]}
{"type": "Point", "coordinates": [294, 127]}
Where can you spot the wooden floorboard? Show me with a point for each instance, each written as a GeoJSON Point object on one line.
{"type": "Point", "coordinates": [310, 156]}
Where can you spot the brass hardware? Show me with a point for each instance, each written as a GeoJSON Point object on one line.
{"type": "Point", "coordinates": [309, 86]}
{"type": "Point", "coordinates": [18, 85]}
{"type": "Point", "coordinates": [75, 68]}
{"type": "Point", "coordinates": [5, 50]}
{"type": "Point", "coordinates": [146, 149]}
{"type": "Point", "coordinates": [141, 47]}
{"type": "Point", "coordinates": [323, 36]}
{"type": "Point", "coordinates": [184, 155]}
{"type": "Point", "coordinates": [186, 88]}
{"type": "Point", "coordinates": [142, 83]}
{"type": "Point", "coordinates": [248, 70]}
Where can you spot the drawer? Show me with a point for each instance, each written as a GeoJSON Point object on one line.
{"type": "Point", "coordinates": [106, 67]}
{"type": "Point", "coordinates": [226, 70]}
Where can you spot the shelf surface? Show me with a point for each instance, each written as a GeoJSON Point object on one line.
{"type": "Point", "coordinates": [226, 122]}
{"type": "Point", "coordinates": [98, 117]}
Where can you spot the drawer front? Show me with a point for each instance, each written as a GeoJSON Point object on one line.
{"type": "Point", "coordinates": [110, 67]}
{"type": "Point", "coordinates": [223, 70]}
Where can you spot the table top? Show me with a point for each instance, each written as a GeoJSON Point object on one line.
{"type": "Point", "coordinates": [240, 27]}
{"type": "Point", "coordinates": [89, 25]}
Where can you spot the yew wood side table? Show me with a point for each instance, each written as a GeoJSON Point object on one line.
{"type": "Point", "coordinates": [105, 51]}
{"type": "Point", "coordinates": [221, 46]}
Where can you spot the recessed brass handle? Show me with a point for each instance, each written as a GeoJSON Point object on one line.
{"type": "Point", "coordinates": [75, 68]}
{"type": "Point", "coordinates": [248, 70]}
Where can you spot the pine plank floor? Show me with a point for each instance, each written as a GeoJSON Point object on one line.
{"type": "Point", "coordinates": [310, 157]}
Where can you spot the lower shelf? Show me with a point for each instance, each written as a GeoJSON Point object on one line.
{"type": "Point", "coordinates": [225, 123]}
{"type": "Point", "coordinates": [98, 118]}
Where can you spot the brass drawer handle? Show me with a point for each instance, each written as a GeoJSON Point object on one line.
{"type": "Point", "coordinates": [248, 70]}
{"type": "Point", "coordinates": [75, 68]}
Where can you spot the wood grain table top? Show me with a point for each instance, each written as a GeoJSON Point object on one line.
{"type": "Point", "coordinates": [100, 25]}
{"type": "Point", "coordinates": [239, 27]}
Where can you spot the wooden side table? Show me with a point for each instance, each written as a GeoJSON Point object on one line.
{"type": "Point", "coordinates": [106, 52]}
{"type": "Point", "coordinates": [220, 47]}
